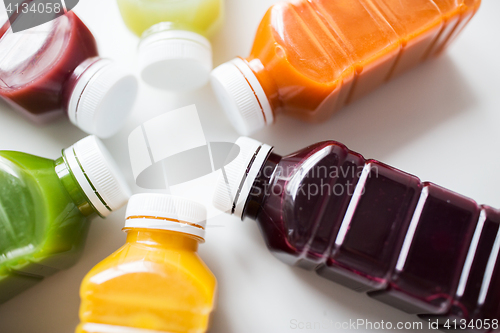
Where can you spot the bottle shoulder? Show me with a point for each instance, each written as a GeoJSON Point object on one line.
{"type": "Point", "coordinates": [38, 173]}
{"type": "Point", "coordinates": [45, 43]}
{"type": "Point", "coordinates": [165, 289]}
{"type": "Point", "coordinates": [24, 177]}
{"type": "Point", "coordinates": [25, 160]}
{"type": "Point", "coordinates": [300, 189]}
{"type": "Point", "coordinates": [37, 63]}
{"type": "Point", "coordinates": [35, 209]}
{"type": "Point", "coordinates": [151, 265]}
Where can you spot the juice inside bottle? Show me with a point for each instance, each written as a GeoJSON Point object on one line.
{"type": "Point", "coordinates": [370, 227]}
{"type": "Point", "coordinates": [311, 57]}
{"type": "Point", "coordinates": [45, 207]}
{"type": "Point", "coordinates": [54, 69]}
{"type": "Point", "coordinates": [155, 282]}
{"type": "Point", "coordinates": [477, 295]}
{"type": "Point", "coordinates": [174, 51]}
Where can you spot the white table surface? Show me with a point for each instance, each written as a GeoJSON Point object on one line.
{"type": "Point", "coordinates": [439, 122]}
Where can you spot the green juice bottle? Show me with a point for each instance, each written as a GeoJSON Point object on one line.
{"type": "Point", "coordinates": [45, 207]}
{"type": "Point", "coordinates": [174, 51]}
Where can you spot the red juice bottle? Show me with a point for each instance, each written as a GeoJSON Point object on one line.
{"type": "Point", "coordinates": [54, 69]}
{"type": "Point", "coordinates": [373, 228]}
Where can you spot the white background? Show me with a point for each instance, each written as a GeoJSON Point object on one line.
{"type": "Point", "coordinates": [439, 121]}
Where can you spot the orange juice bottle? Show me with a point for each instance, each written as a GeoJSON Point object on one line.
{"type": "Point", "coordinates": [311, 57]}
{"type": "Point", "coordinates": [156, 282]}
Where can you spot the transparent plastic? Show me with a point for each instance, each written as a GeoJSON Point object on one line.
{"type": "Point", "coordinates": [203, 17]}
{"type": "Point", "coordinates": [37, 65]}
{"type": "Point", "coordinates": [312, 57]}
{"type": "Point", "coordinates": [44, 220]}
{"type": "Point", "coordinates": [156, 281]}
{"type": "Point", "coordinates": [477, 296]}
{"type": "Point", "coordinates": [379, 230]}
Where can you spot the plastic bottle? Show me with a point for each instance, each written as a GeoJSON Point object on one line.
{"type": "Point", "coordinates": [373, 228]}
{"type": "Point", "coordinates": [174, 52]}
{"type": "Point", "coordinates": [46, 206]}
{"type": "Point", "coordinates": [54, 69]}
{"type": "Point", "coordinates": [156, 282]}
{"type": "Point", "coordinates": [311, 57]}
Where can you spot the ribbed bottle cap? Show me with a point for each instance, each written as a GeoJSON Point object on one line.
{"type": "Point", "coordinates": [234, 185]}
{"type": "Point", "coordinates": [241, 96]}
{"type": "Point", "coordinates": [166, 212]}
{"type": "Point", "coordinates": [174, 59]}
{"type": "Point", "coordinates": [102, 98]}
{"type": "Point", "coordinates": [97, 174]}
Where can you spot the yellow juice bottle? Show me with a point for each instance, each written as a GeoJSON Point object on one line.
{"type": "Point", "coordinates": [156, 282]}
{"type": "Point", "coordinates": [174, 51]}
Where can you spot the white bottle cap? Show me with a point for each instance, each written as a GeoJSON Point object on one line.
{"type": "Point", "coordinates": [234, 185]}
{"type": "Point", "coordinates": [174, 59]}
{"type": "Point", "coordinates": [102, 98]}
{"type": "Point", "coordinates": [97, 174]}
{"type": "Point", "coordinates": [166, 212]}
{"type": "Point", "coordinates": [241, 96]}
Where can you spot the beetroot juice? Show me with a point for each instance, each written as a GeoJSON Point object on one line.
{"type": "Point", "coordinates": [54, 69]}
{"type": "Point", "coordinates": [478, 295]}
{"type": "Point", "coordinates": [413, 245]}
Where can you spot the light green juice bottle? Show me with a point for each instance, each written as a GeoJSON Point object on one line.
{"type": "Point", "coordinates": [174, 52]}
{"type": "Point", "coordinates": [45, 207]}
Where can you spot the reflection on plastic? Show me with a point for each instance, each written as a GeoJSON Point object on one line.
{"type": "Point", "coordinates": [27, 14]}
{"type": "Point", "coordinates": [43, 231]}
{"type": "Point", "coordinates": [372, 228]}
{"type": "Point", "coordinates": [156, 282]}
{"type": "Point", "coordinates": [38, 68]}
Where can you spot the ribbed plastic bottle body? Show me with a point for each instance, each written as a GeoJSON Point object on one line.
{"type": "Point", "coordinates": [313, 57]}
{"type": "Point", "coordinates": [156, 281]}
{"type": "Point", "coordinates": [477, 296]}
{"type": "Point", "coordinates": [35, 65]}
{"type": "Point", "coordinates": [416, 246]}
{"type": "Point", "coordinates": [43, 230]}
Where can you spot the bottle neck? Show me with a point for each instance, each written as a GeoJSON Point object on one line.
{"type": "Point", "coordinates": [267, 83]}
{"type": "Point", "coordinates": [261, 188]}
{"type": "Point", "coordinates": [77, 81]}
{"type": "Point", "coordinates": [73, 188]}
{"type": "Point", "coordinates": [162, 238]}
{"type": "Point", "coordinates": [241, 189]}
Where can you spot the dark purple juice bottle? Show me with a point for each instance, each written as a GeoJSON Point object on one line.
{"type": "Point", "coordinates": [373, 228]}
{"type": "Point", "coordinates": [433, 255]}
{"type": "Point", "coordinates": [476, 304]}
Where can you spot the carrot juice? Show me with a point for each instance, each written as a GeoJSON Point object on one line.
{"type": "Point", "coordinates": [311, 57]}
